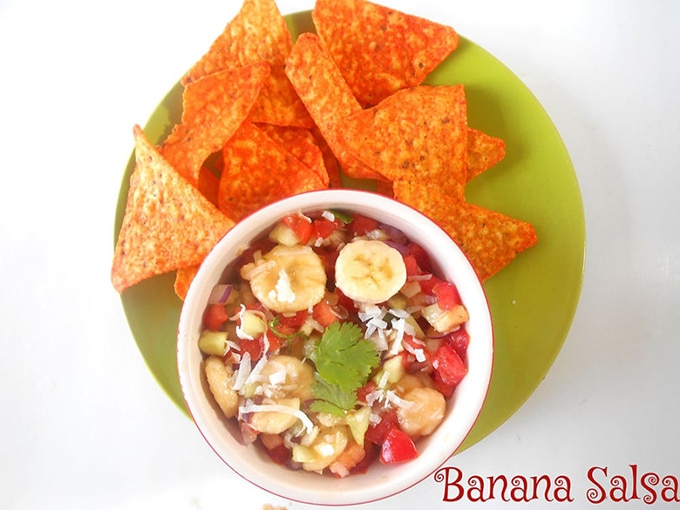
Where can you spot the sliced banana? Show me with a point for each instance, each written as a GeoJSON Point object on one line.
{"type": "Point", "coordinates": [369, 271]}
{"type": "Point", "coordinates": [287, 279]}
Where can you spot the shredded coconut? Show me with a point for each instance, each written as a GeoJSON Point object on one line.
{"type": "Point", "coordinates": [241, 375]}
{"type": "Point", "coordinates": [249, 407]}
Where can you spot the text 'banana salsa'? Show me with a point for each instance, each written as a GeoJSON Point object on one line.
{"type": "Point", "coordinates": [335, 345]}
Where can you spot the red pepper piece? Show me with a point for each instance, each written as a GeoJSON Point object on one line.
{"type": "Point", "coordinates": [302, 227]}
{"type": "Point", "coordinates": [215, 316]}
{"type": "Point", "coordinates": [397, 447]}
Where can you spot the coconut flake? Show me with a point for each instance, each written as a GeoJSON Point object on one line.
{"type": "Point", "coordinates": [249, 407]}
{"type": "Point", "coordinates": [241, 375]}
{"type": "Point", "coordinates": [395, 399]}
{"type": "Point", "coordinates": [255, 372]}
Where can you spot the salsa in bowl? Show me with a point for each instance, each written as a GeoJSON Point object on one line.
{"type": "Point", "coordinates": [335, 341]}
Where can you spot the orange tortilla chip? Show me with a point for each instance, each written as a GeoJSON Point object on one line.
{"type": "Point", "coordinates": [380, 50]}
{"type": "Point", "coordinates": [208, 184]}
{"type": "Point", "coordinates": [490, 240]}
{"type": "Point", "coordinates": [258, 171]}
{"type": "Point", "coordinates": [183, 280]}
{"type": "Point", "coordinates": [417, 134]}
{"type": "Point", "coordinates": [301, 144]}
{"type": "Point", "coordinates": [327, 97]}
{"type": "Point", "coordinates": [330, 161]}
{"type": "Point", "coordinates": [258, 33]}
{"type": "Point", "coordinates": [167, 223]}
{"type": "Point", "coordinates": [484, 151]}
{"type": "Point", "coordinates": [279, 104]}
{"type": "Point", "coordinates": [213, 109]}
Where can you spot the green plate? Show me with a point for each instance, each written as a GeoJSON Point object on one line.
{"type": "Point", "coordinates": [533, 300]}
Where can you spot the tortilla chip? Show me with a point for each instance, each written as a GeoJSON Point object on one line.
{"type": "Point", "coordinates": [213, 109]}
{"type": "Point", "coordinates": [417, 134]}
{"type": "Point", "coordinates": [327, 97]}
{"type": "Point", "coordinates": [258, 33]}
{"type": "Point", "coordinates": [330, 161]}
{"type": "Point", "coordinates": [490, 240]}
{"type": "Point", "coordinates": [484, 151]}
{"type": "Point", "coordinates": [208, 184]}
{"type": "Point", "coordinates": [258, 171]}
{"type": "Point", "coordinates": [183, 280]}
{"type": "Point", "coordinates": [279, 104]}
{"type": "Point", "coordinates": [167, 223]}
{"type": "Point", "coordinates": [380, 50]}
{"type": "Point", "coordinates": [301, 144]}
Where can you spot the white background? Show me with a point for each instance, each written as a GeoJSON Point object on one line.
{"type": "Point", "coordinates": [83, 424]}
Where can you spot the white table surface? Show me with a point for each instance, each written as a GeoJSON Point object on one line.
{"type": "Point", "coordinates": [85, 425]}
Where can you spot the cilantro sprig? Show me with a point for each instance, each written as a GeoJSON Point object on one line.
{"type": "Point", "coordinates": [343, 360]}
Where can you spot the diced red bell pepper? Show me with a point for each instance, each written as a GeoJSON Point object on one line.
{"type": "Point", "coordinates": [447, 295]}
{"type": "Point", "coordinates": [301, 225]}
{"type": "Point", "coordinates": [215, 316]}
{"type": "Point", "coordinates": [397, 447]}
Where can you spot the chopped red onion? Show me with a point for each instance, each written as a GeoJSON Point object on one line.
{"type": "Point", "coordinates": [219, 294]}
{"type": "Point", "coordinates": [397, 246]}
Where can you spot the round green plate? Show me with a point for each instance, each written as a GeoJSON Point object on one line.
{"type": "Point", "coordinates": [533, 300]}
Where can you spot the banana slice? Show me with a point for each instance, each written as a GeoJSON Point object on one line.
{"type": "Point", "coordinates": [369, 271]}
{"type": "Point", "coordinates": [287, 279]}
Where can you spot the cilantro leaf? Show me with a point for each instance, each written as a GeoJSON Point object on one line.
{"type": "Point", "coordinates": [343, 357]}
{"type": "Point", "coordinates": [330, 398]}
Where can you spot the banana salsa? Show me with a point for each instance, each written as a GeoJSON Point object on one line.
{"type": "Point", "coordinates": [334, 345]}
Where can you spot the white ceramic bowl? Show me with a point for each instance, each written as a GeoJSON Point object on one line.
{"type": "Point", "coordinates": [381, 481]}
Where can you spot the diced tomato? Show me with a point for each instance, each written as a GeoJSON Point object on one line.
{"type": "Point", "coordinates": [328, 257]}
{"type": "Point", "coordinates": [323, 313]}
{"type": "Point", "coordinates": [372, 453]}
{"type": "Point", "coordinates": [367, 388]}
{"type": "Point", "coordinates": [344, 301]}
{"type": "Point", "coordinates": [447, 295]}
{"type": "Point", "coordinates": [295, 320]}
{"type": "Point", "coordinates": [449, 369]}
{"type": "Point", "coordinates": [411, 264]}
{"type": "Point", "coordinates": [397, 447]}
{"type": "Point", "coordinates": [324, 227]}
{"type": "Point", "coordinates": [263, 245]}
{"type": "Point", "coordinates": [361, 225]}
{"type": "Point", "coordinates": [301, 225]}
{"type": "Point", "coordinates": [215, 316]}
{"type": "Point", "coordinates": [252, 347]}
{"type": "Point", "coordinates": [275, 343]}
{"type": "Point", "coordinates": [279, 454]}
{"type": "Point", "coordinates": [422, 257]}
{"type": "Point", "coordinates": [414, 346]}
{"type": "Point", "coordinates": [459, 340]}
{"type": "Point", "coordinates": [377, 433]}
{"type": "Point", "coordinates": [428, 285]}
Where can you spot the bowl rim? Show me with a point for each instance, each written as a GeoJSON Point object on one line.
{"type": "Point", "coordinates": [351, 199]}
